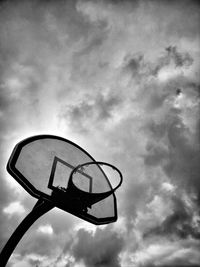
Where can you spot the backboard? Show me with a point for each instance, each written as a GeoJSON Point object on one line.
{"type": "Point", "coordinates": [42, 165]}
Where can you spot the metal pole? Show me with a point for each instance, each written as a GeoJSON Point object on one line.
{"type": "Point", "coordinates": [40, 208]}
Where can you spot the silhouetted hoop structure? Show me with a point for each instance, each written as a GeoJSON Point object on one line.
{"type": "Point", "coordinates": [43, 165]}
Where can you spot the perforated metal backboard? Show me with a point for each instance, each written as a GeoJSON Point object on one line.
{"type": "Point", "coordinates": [43, 163]}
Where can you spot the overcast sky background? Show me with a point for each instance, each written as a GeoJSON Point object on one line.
{"type": "Point", "coordinates": [121, 79]}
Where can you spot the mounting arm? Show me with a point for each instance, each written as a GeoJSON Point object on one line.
{"type": "Point", "coordinates": [40, 208]}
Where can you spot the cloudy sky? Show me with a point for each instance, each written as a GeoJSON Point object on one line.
{"type": "Point", "coordinates": [121, 79]}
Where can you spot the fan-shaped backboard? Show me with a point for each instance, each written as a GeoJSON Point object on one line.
{"type": "Point", "coordinates": [44, 162]}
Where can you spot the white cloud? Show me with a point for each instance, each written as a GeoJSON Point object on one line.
{"type": "Point", "coordinates": [168, 73]}
{"type": "Point", "coordinates": [14, 208]}
{"type": "Point", "coordinates": [22, 263]}
{"type": "Point", "coordinates": [168, 187]}
{"type": "Point", "coordinates": [151, 252]}
{"type": "Point", "coordinates": [45, 229]}
{"type": "Point", "coordinates": [164, 252]}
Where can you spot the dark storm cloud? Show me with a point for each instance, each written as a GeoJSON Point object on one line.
{"type": "Point", "coordinates": [179, 59]}
{"type": "Point", "coordinates": [184, 157]}
{"type": "Point", "coordinates": [141, 68]}
{"type": "Point", "coordinates": [156, 154]}
{"type": "Point", "coordinates": [100, 249]}
{"type": "Point", "coordinates": [181, 159]}
{"type": "Point", "coordinates": [170, 146]}
{"type": "Point", "coordinates": [179, 223]}
{"type": "Point", "coordinates": [133, 65]}
{"type": "Point", "coordinates": [158, 130]}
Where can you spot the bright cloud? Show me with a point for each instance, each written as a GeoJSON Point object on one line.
{"type": "Point", "coordinates": [45, 229]}
{"type": "Point", "coordinates": [14, 208]}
